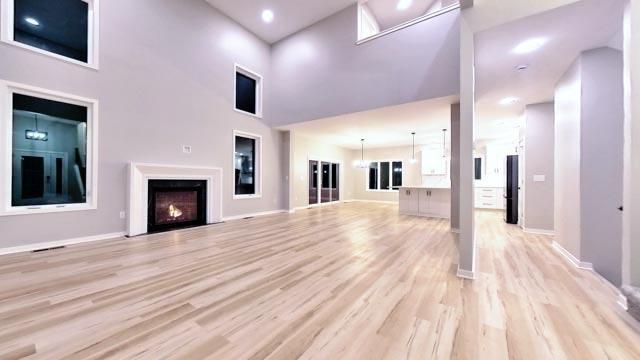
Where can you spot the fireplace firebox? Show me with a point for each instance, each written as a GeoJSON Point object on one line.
{"type": "Point", "coordinates": [176, 204]}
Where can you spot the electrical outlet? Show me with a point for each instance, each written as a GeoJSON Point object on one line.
{"type": "Point", "coordinates": [186, 149]}
{"type": "Point", "coordinates": [123, 214]}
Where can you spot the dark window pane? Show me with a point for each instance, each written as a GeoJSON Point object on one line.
{"type": "Point", "coordinates": [334, 176]}
{"type": "Point", "coordinates": [384, 176]}
{"type": "Point", "coordinates": [478, 168]}
{"type": "Point", "coordinates": [397, 175]}
{"type": "Point", "coordinates": [60, 26]}
{"type": "Point", "coordinates": [373, 176]}
{"type": "Point", "coordinates": [325, 175]}
{"type": "Point", "coordinates": [245, 93]}
{"type": "Point", "coordinates": [245, 166]}
{"type": "Point", "coordinates": [51, 169]}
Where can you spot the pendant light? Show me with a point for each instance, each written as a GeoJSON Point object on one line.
{"type": "Point", "coordinates": [413, 156]}
{"type": "Point", "coordinates": [444, 143]}
{"type": "Point", "coordinates": [36, 134]}
{"type": "Point", "coordinates": [362, 163]}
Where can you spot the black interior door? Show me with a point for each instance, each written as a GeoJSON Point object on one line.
{"type": "Point", "coordinates": [32, 177]}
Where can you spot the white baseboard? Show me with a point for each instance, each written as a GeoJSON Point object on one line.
{"type": "Point", "coordinates": [455, 230]}
{"type": "Point", "coordinates": [466, 274]}
{"type": "Point", "coordinates": [569, 256]}
{"type": "Point", "coordinates": [59, 243]}
{"type": "Point", "coordinates": [538, 231]}
{"type": "Point", "coordinates": [622, 301]}
{"type": "Point", "coordinates": [262, 213]}
{"type": "Point", "coordinates": [373, 201]}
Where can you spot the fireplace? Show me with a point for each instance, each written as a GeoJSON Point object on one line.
{"type": "Point", "coordinates": [176, 204]}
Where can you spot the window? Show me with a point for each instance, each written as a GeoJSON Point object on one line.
{"type": "Point", "coordinates": [65, 29]}
{"type": "Point", "coordinates": [50, 158]}
{"type": "Point", "coordinates": [247, 150]}
{"type": "Point", "coordinates": [385, 176]}
{"type": "Point", "coordinates": [248, 92]}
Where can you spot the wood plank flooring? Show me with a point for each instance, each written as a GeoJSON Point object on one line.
{"type": "Point", "coordinates": [351, 281]}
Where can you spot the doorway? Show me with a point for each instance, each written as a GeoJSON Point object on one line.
{"type": "Point", "coordinates": [324, 182]}
{"type": "Point", "coordinates": [39, 177]}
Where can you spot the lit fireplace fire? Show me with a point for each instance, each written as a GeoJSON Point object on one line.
{"type": "Point", "coordinates": [174, 211]}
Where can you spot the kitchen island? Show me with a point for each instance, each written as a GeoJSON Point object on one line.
{"type": "Point", "coordinates": [425, 201]}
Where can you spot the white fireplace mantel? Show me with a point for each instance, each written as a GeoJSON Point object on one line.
{"type": "Point", "coordinates": [139, 176]}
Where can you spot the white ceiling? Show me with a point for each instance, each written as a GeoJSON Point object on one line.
{"type": "Point", "coordinates": [570, 30]}
{"type": "Point", "coordinates": [388, 16]}
{"type": "Point", "coordinates": [386, 127]}
{"type": "Point", "coordinates": [291, 16]}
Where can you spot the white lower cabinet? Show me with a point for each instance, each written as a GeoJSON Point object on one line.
{"type": "Point", "coordinates": [425, 202]}
{"type": "Point", "coordinates": [489, 198]}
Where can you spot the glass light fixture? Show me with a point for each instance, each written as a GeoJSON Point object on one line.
{"type": "Point", "coordinates": [362, 164]}
{"type": "Point", "coordinates": [36, 134]}
{"type": "Point", "coordinates": [444, 143]}
{"type": "Point", "coordinates": [413, 157]}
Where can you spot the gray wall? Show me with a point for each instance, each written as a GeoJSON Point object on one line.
{"type": "Point", "coordinates": [165, 79]}
{"type": "Point", "coordinates": [538, 160]}
{"type": "Point", "coordinates": [602, 132]}
{"type": "Point", "coordinates": [589, 160]}
{"type": "Point", "coordinates": [321, 72]}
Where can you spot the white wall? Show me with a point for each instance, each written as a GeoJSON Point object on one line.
{"type": "Point", "coordinates": [538, 161]}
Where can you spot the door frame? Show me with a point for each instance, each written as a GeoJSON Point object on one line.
{"type": "Point", "coordinates": [320, 160]}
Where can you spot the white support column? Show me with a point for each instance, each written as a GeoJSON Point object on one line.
{"type": "Point", "coordinates": [631, 216]}
{"type": "Point", "coordinates": [467, 243]}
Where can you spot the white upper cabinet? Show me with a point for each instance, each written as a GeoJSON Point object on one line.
{"type": "Point", "coordinates": [434, 164]}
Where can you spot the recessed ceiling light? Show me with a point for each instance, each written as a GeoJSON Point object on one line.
{"type": "Point", "coordinates": [530, 45]}
{"type": "Point", "coordinates": [267, 16]}
{"type": "Point", "coordinates": [404, 4]}
{"type": "Point", "coordinates": [509, 101]}
{"type": "Point", "coordinates": [32, 21]}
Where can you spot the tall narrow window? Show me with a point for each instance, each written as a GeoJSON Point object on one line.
{"type": "Point", "coordinates": [247, 165]}
{"type": "Point", "coordinates": [248, 92]}
{"type": "Point", "coordinates": [65, 29]}
{"type": "Point", "coordinates": [51, 154]}
{"type": "Point", "coordinates": [396, 175]}
{"type": "Point", "coordinates": [373, 176]}
{"type": "Point", "coordinates": [384, 176]}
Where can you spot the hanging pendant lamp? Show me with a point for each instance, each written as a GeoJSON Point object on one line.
{"type": "Point", "coordinates": [413, 156]}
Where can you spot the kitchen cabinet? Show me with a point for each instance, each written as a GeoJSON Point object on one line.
{"type": "Point", "coordinates": [427, 202]}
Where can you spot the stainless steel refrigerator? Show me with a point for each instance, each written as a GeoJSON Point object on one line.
{"type": "Point", "coordinates": [511, 194]}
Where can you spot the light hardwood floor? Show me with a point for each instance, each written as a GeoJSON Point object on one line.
{"type": "Point", "coordinates": [351, 281]}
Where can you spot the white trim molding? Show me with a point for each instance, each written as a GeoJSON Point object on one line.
{"type": "Point", "coordinates": [455, 230]}
{"type": "Point", "coordinates": [141, 173]}
{"type": "Point", "coordinates": [93, 34]}
{"type": "Point", "coordinates": [538, 231]}
{"type": "Point", "coordinates": [60, 243]}
{"type": "Point", "coordinates": [7, 89]}
{"type": "Point", "coordinates": [571, 258]}
{"type": "Point", "coordinates": [465, 274]}
{"type": "Point", "coordinates": [622, 301]}
{"type": "Point", "coordinates": [259, 86]}
{"type": "Point", "coordinates": [257, 163]}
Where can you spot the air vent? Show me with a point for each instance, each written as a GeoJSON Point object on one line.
{"type": "Point", "coordinates": [48, 249]}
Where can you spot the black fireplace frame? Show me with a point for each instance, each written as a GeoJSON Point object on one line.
{"type": "Point", "coordinates": [167, 185]}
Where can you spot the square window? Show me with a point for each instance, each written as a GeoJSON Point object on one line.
{"type": "Point", "coordinates": [65, 29]}
{"type": "Point", "coordinates": [50, 158]}
{"type": "Point", "coordinates": [248, 92]}
{"type": "Point", "coordinates": [247, 165]}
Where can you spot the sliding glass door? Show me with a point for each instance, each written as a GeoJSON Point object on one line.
{"type": "Point", "coordinates": [324, 182]}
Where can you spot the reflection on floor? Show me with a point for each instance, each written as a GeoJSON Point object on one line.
{"type": "Point", "coordinates": [348, 281]}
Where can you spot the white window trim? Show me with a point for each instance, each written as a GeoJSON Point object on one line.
{"type": "Point", "coordinates": [258, 78]}
{"type": "Point", "coordinates": [7, 89]}
{"type": "Point", "coordinates": [258, 164]}
{"type": "Point", "coordinates": [6, 34]}
{"type": "Point", "coordinates": [366, 178]}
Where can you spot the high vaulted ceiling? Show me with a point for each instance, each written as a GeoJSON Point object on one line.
{"type": "Point", "coordinates": [569, 30]}
{"type": "Point", "coordinates": [291, 16]}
